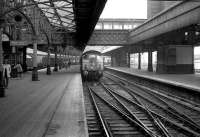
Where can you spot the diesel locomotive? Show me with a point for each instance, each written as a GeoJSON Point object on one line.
{"type": "Point", "coordinates": [91, 65]}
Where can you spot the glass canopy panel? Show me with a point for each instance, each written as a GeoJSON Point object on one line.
{"type": "Point", "coordinates": [60, 3]}
{"type": "Point", "coordinates": [49, 15]}
{"type": "Point", "coordinates": [54, 19]}
{"type": "Point", "coordinates": [58, 12]}
{"type": "Point", "coordinates": [66, 20]}
{"type": "Point", "coordinates": [49, 10]}
{"type": "Point", "coordinates": [43, 6]}
{"type": "Point", "coordinates": [61, 12]}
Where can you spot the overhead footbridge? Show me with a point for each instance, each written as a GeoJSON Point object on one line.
{"type": "Point", "coordinates": [113, 32]}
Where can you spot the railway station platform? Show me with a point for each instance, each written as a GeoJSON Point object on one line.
{"type": "Point", "coordinates": [188, 81]}
{"type": "Point", "coordinates": [50, 107]}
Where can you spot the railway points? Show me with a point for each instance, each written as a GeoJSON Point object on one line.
{"type": "Point", "coordinates": [187, 84]}
{"type": "Point", "coordinates": [164, 120]}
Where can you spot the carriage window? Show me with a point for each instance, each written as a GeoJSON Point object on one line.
{"type": "Point", "coordinates": [92, 56]}
{"type": "Point", "coordinates": [99, 58]}
{"type": "Point", "coordinates": [85, 57]}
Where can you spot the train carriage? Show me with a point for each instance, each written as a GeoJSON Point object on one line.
{"type": "Point", "coordinates": [91, 65]}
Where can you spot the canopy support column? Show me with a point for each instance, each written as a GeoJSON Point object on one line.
{"type": "Point", "coordinates": [35, 69]}
{"type": "Point", "coordinates": [56, 60]}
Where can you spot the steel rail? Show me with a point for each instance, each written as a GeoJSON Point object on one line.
{"type": "Point", "coordinates": [170, 97]}
{"type": "Point", "coordinates": [156, 121]}
{"type": "Point", "coordinates": [182, 117]}
{"type": "Point", "coordinates": [125, 115]}
{"type": "Point", "coordinates": [110, 92]}
{"type": "Point", "coordinates": [165, 109]}
{"type": "Point", "coordinates": [179, 126]}
{"type": "Point", "coordinates": [156, 92]}
{"type": "Point", "coordinates": [134, 116]}
{"type": "Point", "coordinates": [176, 124]}
{"type": "Point", "coordinates": [105, 126]}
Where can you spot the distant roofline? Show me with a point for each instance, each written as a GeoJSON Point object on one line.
{"type": "Point", "coordinates": [119, 20]}
{"type": "Point", "coordinates": [173, 6]}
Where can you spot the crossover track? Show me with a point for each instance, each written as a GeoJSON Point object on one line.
{"type": "Point", "coordinates": [113, 118]}
{"type": "Point", "coordinates": [170, 116]}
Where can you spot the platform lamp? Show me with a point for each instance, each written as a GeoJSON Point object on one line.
{"type": "Point", "coordinates": [48, 62]}
{"type": "Point", "coordinates": [48, 54]}
{"type": "Point", "coordinates": [63, 54]}
{"type": "Point", "coordinates": [197, 33]}
{"type": "Point", "coordinates": [56, 61]}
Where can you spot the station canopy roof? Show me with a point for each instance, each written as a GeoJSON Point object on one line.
{"type": "Point", "coordinates": [59, 13]}
{"type": "Point", "coordinates": [79, 16]}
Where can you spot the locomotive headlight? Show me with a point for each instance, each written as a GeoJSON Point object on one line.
{"type": "Point", "coordinates": [92, 67]}
{"type": "Point", "coordinates": [85, 67]}
{"type": "Point", "coordinates": [85, 73]}
{"type": "Point", "coordinates": [100, 72]}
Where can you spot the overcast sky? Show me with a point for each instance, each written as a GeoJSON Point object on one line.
{"type": "Point", "coordinates": [125, 9]}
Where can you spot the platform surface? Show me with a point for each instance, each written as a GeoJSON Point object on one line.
{"type": "Point", "coordinates": [190, 81]}
{"type": "Point", "coordinates": [51, 107]}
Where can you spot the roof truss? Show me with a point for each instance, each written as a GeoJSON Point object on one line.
{"type": "Point", "coordinates": [59, 13]}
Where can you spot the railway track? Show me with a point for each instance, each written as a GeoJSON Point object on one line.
{"type": "Point", "coordinates": [181, 94]}
{"type": "Point", "coordinates": [94, 124]}
{"type": "Point", "coordinates": [188, 103]}
{"type": "Point", "coordinates": [175, 114]}
{"type": "Point", "coordinates": [112, 118]}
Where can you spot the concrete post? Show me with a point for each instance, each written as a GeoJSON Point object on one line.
{"type": "Point", "coordinates": [35, 69]}
{"type": "Point", "coordinates": [175, 59]}
{"type": "Point", "coordinates": [49, 39]}
{"type": "Point", "coordinates": [139, 60]}
{"type": "Point", "coordinates": [113, 61]}
{"type": "Point", "coordinates": [60, 60]}
{"type": "Point", "coordinates": [24, 59]}
{"type": "Point", "coordinates": [56, 60]}
{"type": "Point", "coordinates": [68, 58]}
{"type": "Point", "coordinates": [150, 66]}
{"type": "Point", "coordinates": [48, 62]}
{"type": "Point", "coordinates": [63, 58]}
{"type": "Point", "coordinates": [112, 26]}
{"type": "Point", "coordinates": [128, 59]}
{"type": "Point", "coordinates": [161, 55]}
